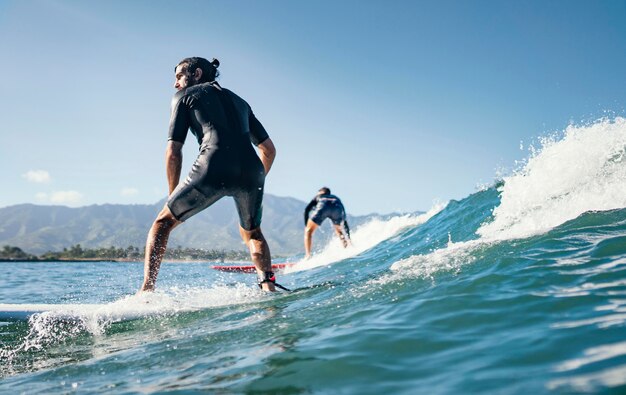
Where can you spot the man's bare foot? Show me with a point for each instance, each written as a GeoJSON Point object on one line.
{"type": "Point", "coordinates": [266, 280]}
{"type": "Point", "coordinates": [269, 287]}
{"type": "Point", "coordinates": [145, 288]}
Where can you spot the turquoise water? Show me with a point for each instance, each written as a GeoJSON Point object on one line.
{"type": "Point", "coordinates": [518, 288]}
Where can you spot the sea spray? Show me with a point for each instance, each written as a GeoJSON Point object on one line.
{"type": "Point", "coordinates": [365, 237]}
{"type": "Point", "coordinates": [49, 329]}
{"type": "Point", "coordinates": [583, 171]}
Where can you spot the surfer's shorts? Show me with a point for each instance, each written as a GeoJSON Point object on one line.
{"type": "Point", "coordinates": [334, 211]}
{"type": "Point", "coordinates": [202, 188]}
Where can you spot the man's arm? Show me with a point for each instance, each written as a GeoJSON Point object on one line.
{"type": "Point", "coordinates": [267, 153]}
{"type": "Point", "coordinates": [173, 163]}
{"type": "Point", "coordinates": [308, 209]}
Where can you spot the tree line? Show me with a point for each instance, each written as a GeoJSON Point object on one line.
{"type": "Point", "coordinates": [131, 253]}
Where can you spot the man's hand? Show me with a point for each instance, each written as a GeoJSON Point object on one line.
{"type": "Point", "coordinates": [267, 153]}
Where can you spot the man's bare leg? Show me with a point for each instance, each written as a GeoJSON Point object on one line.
{"type": "Point", "coordinates": [308, 236]}
{"type": "Point", "coordinates": [260, 254]}
{"type": "Point", "coordinates": [156, 245]}
{"type": "Point", "coordinates": [344, 238]}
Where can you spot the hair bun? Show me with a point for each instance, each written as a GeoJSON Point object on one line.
{"type": "Point", "coordinates": [215, 63]}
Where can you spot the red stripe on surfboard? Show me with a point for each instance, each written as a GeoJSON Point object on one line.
{"type": "Point", "coordinates": [248, 268]}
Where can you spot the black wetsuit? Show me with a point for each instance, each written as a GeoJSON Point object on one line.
{"type": "Point", "coordinates": [326, 206]}
{"type": "Point", "coordinates": [227, 165]}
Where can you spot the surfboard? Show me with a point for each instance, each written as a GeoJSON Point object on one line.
{"type": "Point", "coordinates": [249, 268]}
{"type": "Point", "coordinates": [114, 312]}
{"type": "Point", "coordinates": [21, 312]}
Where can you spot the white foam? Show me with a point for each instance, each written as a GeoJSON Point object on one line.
{"type": "Point", "coordinates": [49, 324]}
{"type": "Point", "coordinates": [365, 237]}
{"type": "Point", "coordinates": [583, 171]}
{"type": "Point", "coordinates": [449, 258]}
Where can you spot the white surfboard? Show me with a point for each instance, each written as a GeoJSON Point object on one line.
{"type": "Point", "coordinates": [114, 312]}
{"type": "Point", "coordinates": [143, 305]}
{"type": "Point", "coordinates": [22, 312]}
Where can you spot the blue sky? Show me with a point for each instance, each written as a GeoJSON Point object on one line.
{"type": "Point", "coordinates": [392, 104]}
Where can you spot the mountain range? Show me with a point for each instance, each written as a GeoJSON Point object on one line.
{"type": "Point", "coordinates": [37, 229]}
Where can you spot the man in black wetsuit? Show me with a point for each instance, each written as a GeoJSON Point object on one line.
{"type": "Point", "coordinates": [324, 205]}
{"type": "Point", "coordinates": [227, 165]}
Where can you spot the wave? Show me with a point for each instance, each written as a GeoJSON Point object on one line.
{"type": "Point", "coordinates": [585, 170]}
{"type": "Point", "coordinates": [522, 282]}
{"type": "Point", "coordinates": [582, 171]}
{"type": "Point", "coordinates": [364, 238]}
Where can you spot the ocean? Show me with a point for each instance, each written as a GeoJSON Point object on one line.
{"type": "Point", "coordinates": [518, 288]}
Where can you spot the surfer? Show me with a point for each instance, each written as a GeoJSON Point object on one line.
{"type": "Point", "coordinates": [227, 165]}
{"type": "Point", "coordinates": [322, 206]}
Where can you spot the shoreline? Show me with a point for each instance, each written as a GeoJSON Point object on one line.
{"type": "Point", "coordinates": [124, 260]}
{"type": "Point", "coordinates": [128, 260]}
